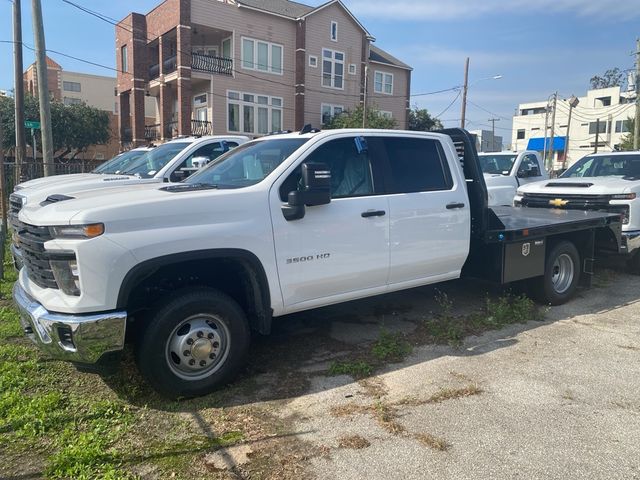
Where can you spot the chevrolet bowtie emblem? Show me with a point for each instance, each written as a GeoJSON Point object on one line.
{"type": "Point", "coordinates": [558, 202]}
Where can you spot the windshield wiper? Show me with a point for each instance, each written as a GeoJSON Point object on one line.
{"type": "Point", "coordinates": [189, 187]}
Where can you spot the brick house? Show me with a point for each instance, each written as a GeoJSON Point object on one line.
{"type": "Point", "coordinates": [251, 67]}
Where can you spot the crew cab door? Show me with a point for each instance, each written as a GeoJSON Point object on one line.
{"type": "Point", "coordinates": [186, 168]}
{"type": "Point", "coordinates": [430, 213]}
{"type": "Point", "coordinates": [339, 250]}
{"type": "Point", "coordinates": [529, 170]}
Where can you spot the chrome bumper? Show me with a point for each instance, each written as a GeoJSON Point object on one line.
{"type": "Point", "coordinates": [631, 241]}
{"type": "Point", "coordinates": [75, 338]}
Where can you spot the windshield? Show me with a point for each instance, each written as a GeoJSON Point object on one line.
{"type": "Point", "coordinates": [497, 164]}
{"type": "Point", "coordinates": [120, 162]}
{"type": "Point", "coordinates": [152, 162]}
{"type": "Point", "coordinates": [247, 164]}
{"type": "Point", "coordinates": [605, 166]}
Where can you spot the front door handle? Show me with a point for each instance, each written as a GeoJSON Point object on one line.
{"type": "Point", "coordinates": [373, 213]}
{"type": "Point", "coordinates": [451, 206]}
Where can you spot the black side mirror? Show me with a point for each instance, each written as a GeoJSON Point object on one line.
{"type": "Point", "coordinates": [316, 190]}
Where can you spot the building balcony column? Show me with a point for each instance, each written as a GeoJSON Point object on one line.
{"type": "Point", "coordinates": [185, 101]}
{"type": "Point", "coordinates": [166, 108]}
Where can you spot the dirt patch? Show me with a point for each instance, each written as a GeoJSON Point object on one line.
{"type": "Point", "coordinates": [355, 442]}
{"type": "Point", "coordinates": [432, 442]}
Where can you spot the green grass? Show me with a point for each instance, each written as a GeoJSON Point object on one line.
{"type": "Point", "coordinates": [390, 347]}
{"type": "Point", "coordinates": [357, 369]}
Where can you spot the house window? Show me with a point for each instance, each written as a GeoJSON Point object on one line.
{"type": "Point", "coordinates": [352, 69]}
{"type": "Point", "coordinates": [313, 61]}
{"type": "Point", "coordinates": [261, 56]}
{"type": "Point", "coordinates": [200, 99]}
{"type": "Point", "coordinates": [603, 102]}
{"type": "Point", "coordinates": [385, 114]}
{"type": "Point", "coordinates": [383, 83]}
{"type": "Point", "coordinates": [520, 135]}
{"type": "Point", "coordinates": [599, 128]}
{"type": "Point", "coordinates": [226, 48]}
{"type": "Point", "coordinates": [124, 60]}
{"type": "Point", "coordinates": [334, 31]}
{"type": "Point", "coordinates": [623, 126]}
{"type": "Point", "coordinates": [330, 111]}
{"type": "Point", "coordinates": [332, 69]}
{"type": "Point", "coordinates": [253, 113]}
{"type": "Point", "coordinates": [71, 86]}
{"type": "Point", "coordinates": [72, 101]}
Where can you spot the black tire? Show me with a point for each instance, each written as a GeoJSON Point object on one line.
{"type": "Point", "coordinates": [160, 347]}
{"type": "Point", "coordinates": [556, 287]}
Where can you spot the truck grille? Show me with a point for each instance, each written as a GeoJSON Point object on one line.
{"type": "Point", "coordinates": [15, 204]}
{"type": "Point", "coordinates": [30, 240]}
{"type": "Point", "coordinates": [575, 202]}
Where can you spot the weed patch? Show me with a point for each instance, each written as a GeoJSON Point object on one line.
{"type": "Point", "coordinates": [355, 442]}
{"type": "Point", "coordinates": [390, 347]}
{"type": "Point", "coordinates": [357, 369]}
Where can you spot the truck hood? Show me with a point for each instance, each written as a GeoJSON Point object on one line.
{"type": "Point", "coordinates": [583, 186]}
{"type": "Point", "coordinates": [115, 203]}
{"type": "Point", "coordinates": [82, 182]}
{"type": "Point", "coordinates": [54, 180]}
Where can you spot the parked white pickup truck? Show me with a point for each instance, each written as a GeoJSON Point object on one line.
{"type": "Point", "coordinates": [279, 225]}
{"type": "Point", "coordinates": [608, 182]}
{"type": "Point", "coordinates": [504, 172]}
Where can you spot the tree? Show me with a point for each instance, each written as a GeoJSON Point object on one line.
{"type": "Point", "coordinates": [75, 127]}
{"type": "Point", "coordinates": [419, 119]}
{"type": "Point", "coordinates": [611, 78]}
{"type": "Point", "coordinates": [353, 119]}
{"type": "Point", "coordinates": [627, 140]}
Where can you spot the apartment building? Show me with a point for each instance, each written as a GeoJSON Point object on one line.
{"type": "Point", "coordinates": [250, 67]}
{"type": "Point", "coordinates": [71, 88]}
{"type": "Point", "coordinates": [487, 141]}
{"type": "Point", "coordinates": [599, 120]}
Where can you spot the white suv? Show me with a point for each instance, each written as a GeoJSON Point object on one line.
{"type": "Point", "coordinates": [602, 181]}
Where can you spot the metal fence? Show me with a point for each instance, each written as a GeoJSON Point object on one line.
{"type": "Point", "coordinates": [31, 170]}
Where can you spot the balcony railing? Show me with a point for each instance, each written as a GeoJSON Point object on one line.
{"type": "Point", "coordinates": [152, 132]}
{"type": "Point", "coordinates": [201, 127]}
{"type": "Point", "coordinates": [206, 63]}
{"type": "Point", "coordinates": [154, 71]}
{"type": "Point", "coordinates": [169, 65]}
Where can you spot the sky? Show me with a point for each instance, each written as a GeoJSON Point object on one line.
{"type": "Point", "coordinates": [538, 47]}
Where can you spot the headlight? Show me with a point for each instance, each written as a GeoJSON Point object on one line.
{"type": "Point", "coordinates": [624, 196]}
{"type": "Point", "coordinates": [66, 274]}
{"type": "Point", "coordinates": [77, 231]}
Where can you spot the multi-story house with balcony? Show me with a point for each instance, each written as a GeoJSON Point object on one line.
{"type": "Point", "coordinates": [250, 67]}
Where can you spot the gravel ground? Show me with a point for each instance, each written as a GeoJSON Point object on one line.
{"type": "Point", "coordinates": [552, 399]}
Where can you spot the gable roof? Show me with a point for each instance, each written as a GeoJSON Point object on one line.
{"type": "Point", "coordinates": [295, 10]}
{"type": "Point", "coordinates": [283, 8]}
{"type": "Point", "coordinates": [380, 56]}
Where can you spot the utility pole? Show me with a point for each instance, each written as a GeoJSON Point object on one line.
{"type": "Point", "coordinates": [573, 102]}
{"type": "Point", "coordinates": [465, 87]}
{"type": "Point", "coordinates": [18, 89]}
{"type": "Point", "coordinates": [546, 126]}
{"type": "Point", "coordinates": [597, 134]}
{"type": "Point", "coordinates": [493, 133]}
{"type": "Point", "coordinates": [3, 204]}
{"type": "Point", "coordinates": [364, 98]}
{"type": "Point", "coordinates": [553, 130]}
{"type": "Point", "coordinates": [636, 126]}
{"type": "Point", "coordinates": [43, 87]}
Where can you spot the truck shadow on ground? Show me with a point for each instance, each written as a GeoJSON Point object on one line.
{"type": "Point", "coordinates": [305, 347]}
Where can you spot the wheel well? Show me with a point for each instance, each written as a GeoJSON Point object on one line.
{"type": "Point", "coordinates": [239, 276]}
{"type": "Point", "coordinates": [584, 241]}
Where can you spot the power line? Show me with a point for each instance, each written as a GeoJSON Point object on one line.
{"type": "Point", "coordinates": [450, 105]}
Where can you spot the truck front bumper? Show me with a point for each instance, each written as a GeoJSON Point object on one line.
{"type": "Point", "coordinates": [631, 241]}
{"type": "Point", "coordinates": [76, 338]}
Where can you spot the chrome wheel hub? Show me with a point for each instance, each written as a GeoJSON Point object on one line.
{"type": "Point", "coordinates": [563, 272]}
{"type": "Point", "coordinates": [197, 347]}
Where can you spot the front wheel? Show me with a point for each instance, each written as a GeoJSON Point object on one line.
{"type": "Point", "coordinates": [194, 343]}
{"type": "Point", "coordinates": [561, 275]}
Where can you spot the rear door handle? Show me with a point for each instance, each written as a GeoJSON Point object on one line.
{"type": "Point", "coordinates": [373, 213]}
{"type": "Point", "coordinates": [451, 206]}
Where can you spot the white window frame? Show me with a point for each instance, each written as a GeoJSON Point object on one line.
{"type": "Point", "coordinates": [333, 108]}
{"type": "Point", "coordinates": [334, 62]}
{"type": "Point", "coordinates": [253, 63]}
{"type": "Point", "coordinates": [353, 69]}
{"type": "Point", "coordinates": [71, 85]}
{"type": "Point", "coordinates": [384, 83]}
{"type": "Point", "coordinates": [200, 104]}
{"type": "Point", "coordinates": [313, 61]}
{"type": "Point", "coordinates": [273, 104]}
{"type": "Point", "coordinates": [334, 38]}
{"type": "Point", "coordinates": [124, 58]}
{"type": "Point", "coordinates": [385, 114]}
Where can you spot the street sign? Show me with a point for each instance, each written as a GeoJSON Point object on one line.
{"type": "Point", "coordinates": [31, 124]}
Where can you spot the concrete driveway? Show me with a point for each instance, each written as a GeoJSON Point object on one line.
{"type": "Point", "coordinates": [553, 399]}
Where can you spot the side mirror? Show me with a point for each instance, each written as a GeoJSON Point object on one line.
{"type": "Point", "coordinates": [316, 190]}
{"type": "Point", "coordinates": [199, 162]}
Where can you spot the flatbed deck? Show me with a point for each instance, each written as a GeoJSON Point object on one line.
{"type": "Point", "coordinates": [510, 224]}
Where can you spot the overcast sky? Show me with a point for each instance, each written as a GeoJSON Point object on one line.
{"type": "Point", "coordinates": [537, 46]}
